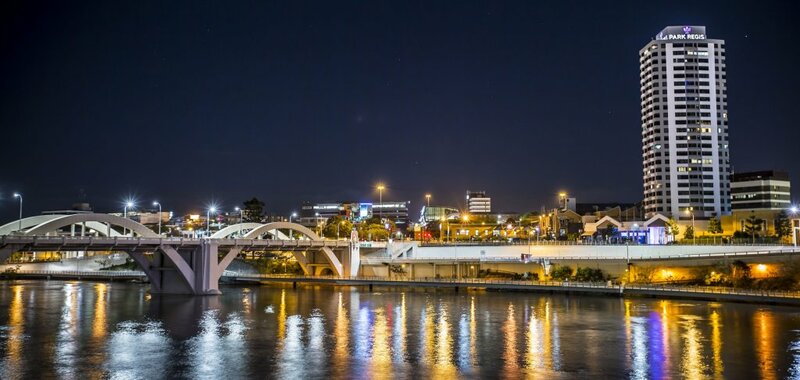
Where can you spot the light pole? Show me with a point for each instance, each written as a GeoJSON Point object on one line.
{"type": "Point", "coordinates": [380, 200]}
{"type": "Point", "coordinates": [690, 211]}
{"type": "Point", "coordinates": [208, 219]}
{"type": "Point", "coordinates": [128, 204]}
{"type": "Point", "coordinates": [428, 199]}
{"type": "Point", "coordinates": [18, 195]}
{"type": "Point", "coordinates": [293, 215]}
{"type": "Point", "coordinates": [793, 210]}
{"type": "Point", "coordinates": [156, 203]}
{"type": "Point", "coordinates": [241, 219]}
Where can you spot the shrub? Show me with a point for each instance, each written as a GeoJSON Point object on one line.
{"type": "Point", "coordinates": [561, 272]}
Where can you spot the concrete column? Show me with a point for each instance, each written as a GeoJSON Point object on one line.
{"type": "Point", "coordinates": [206, 271]}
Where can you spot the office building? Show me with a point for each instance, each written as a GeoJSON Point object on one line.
{"type": "Point", "coordinates": [478, 202]}
{"type": "Point", "coordinates": [758, 191]}
{"type": "Point", "coordinates": [684, 124]}
{"type": "Point", "coordinates": [397, 212]}
{"type": "Point", "coordinates": [437, 213]}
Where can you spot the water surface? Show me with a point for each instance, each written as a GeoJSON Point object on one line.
{"type": "Point", "coordinates": [86, 330]}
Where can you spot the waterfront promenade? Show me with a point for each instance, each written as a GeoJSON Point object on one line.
{"type": "Point", "coordinates": [566, 287]}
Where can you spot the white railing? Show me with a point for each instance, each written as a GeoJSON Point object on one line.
{"type": "Point", "coordinates": [76, 273]}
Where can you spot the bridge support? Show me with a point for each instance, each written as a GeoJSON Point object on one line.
{"type": "Point", "coordinates": [193, 272]}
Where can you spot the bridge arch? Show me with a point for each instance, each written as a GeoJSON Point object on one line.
{"type": "Point", "coordinates": [274, 230]}
{"type": "Point", "coordinates": [19, 226]}
{"type": "Point", "coordinates": [101, 223]}
{"type": "Point", "coordinates": [234, 229]}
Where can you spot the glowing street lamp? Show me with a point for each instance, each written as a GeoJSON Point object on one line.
{"type": "Point", "coordinates": [241, 219]}
{"type": "Point", "coordinates": [128, 204]}
{"type": "Point", "coordinates": [156, 203]}
{"type": "Point", "coordinates": [208, 218]}
{"type": "Point", "coordinates": [18, 195]}
{"type": "Point", "coordinates": [428, 199]}
{"type": "Point", "coordinates": [795, 227]}
{"type": "Point", "coordinates": [293, 215]}
{"type": "Point", "coordinates": [380, 188]}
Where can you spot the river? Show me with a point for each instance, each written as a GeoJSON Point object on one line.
{"type": "Point", "coordinates": [92, 330]}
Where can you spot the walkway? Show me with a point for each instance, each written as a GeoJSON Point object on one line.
{"type": "Point", "coordinates": [690, 292]}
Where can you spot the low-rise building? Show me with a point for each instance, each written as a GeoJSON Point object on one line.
{"type": "Point", "coordinates": [761, 190]}
{"type": "Point", "coordinates": [478, 202]}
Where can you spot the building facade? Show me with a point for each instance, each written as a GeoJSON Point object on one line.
{"type": "Point", "coordinates": [397, 212]}
{"type": "Point", "coordinates": [478, 202]}
{"type": "Point", "coordinates": [437, 213]}
{"type": "Point", "coordinates": [684, 121]}
{"type": "Point", "coordinates": [763, 190]}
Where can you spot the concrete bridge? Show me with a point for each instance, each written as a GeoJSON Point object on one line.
{"type": "Point", "coordinates": [178, 265]}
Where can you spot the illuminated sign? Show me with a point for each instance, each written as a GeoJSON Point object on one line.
{"type": "Point", "coordinates": [364, 210]}
{"type": "Point", "coordinates": [678, 33]}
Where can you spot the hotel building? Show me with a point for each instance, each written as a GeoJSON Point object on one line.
{"type": "Point", "coordinates": [684, 121]}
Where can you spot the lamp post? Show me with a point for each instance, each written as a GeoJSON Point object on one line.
{"type": "Point", "coordinates": [292, 215]}
{"type": "Point", "coordinates": [428, 199]}
{"type": "Point", "coordinates": [156, 203]}
{"type": "Point", "coordinates": [795, 228]}
{"type": "Point", "coordinates": [18, 195]}
{"type": "Point", "coordinates": [690, 211]}
{"type": "Point", "coordinates": [208, 219]}
{"type": "Point", "coordinates": [241, 219]}
{"type": "Point", "coordinates": [380, 200]}
{"type": "Point", "coordinates": [128, 204]}
{"type": "Point", "coordinates": [337, 228]}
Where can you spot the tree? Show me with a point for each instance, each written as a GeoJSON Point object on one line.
{"type": "Point", "coordinates": [752, 226]}
{"type": "Point", "coordinates": [783, 226]}
{"type": "Point", "coordinates": [337, 227]}
{"type": "Point", "coordinates": [673, 228]}
{"type": "Point", "coordinates": [561, 272]}
{"type": "Point", "coordinates": [253, 211]}
{"type": "Point", "coordinates": [714, 226]}
{"type": "Point", "coordinates": [689, 233]}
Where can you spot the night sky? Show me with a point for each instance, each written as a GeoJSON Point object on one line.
{"type": "Point", "coordinates": [189, 102]}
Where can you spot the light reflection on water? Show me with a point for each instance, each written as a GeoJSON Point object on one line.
{"type": "Point", "coordinates": [95, 330]}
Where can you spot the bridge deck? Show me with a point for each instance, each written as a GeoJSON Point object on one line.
{"type": "Point", "coordinates": [110, 243]}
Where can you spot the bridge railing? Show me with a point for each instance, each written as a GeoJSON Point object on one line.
{"type": "Point", "coordinates": [63, 239]}
{"type": "Point", "coordinates": [77, 273]}
{"type": "Point", "coordinates": [704, 242]}
{"type": "Point", "coordinates": [533, 259]}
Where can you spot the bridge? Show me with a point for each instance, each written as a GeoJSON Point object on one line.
{"type": "Point", "coordinates": [195, 266]}
{"type": "Point", "coordinates": [179, 265]}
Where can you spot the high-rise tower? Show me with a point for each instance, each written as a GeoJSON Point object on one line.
{"type": "Point", "coordinates": [685, 124]}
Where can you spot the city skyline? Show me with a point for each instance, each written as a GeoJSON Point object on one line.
{"type": "Point", "coordinates": [180, 107]}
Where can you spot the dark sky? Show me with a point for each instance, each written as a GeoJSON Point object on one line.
{"type": "Point", "coordinates": [189, 102]}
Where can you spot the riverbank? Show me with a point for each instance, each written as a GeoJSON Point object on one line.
{"type": "Point", "coordinates": [565, 287]}
{"type": "Point", "coordinates": [703, 293]}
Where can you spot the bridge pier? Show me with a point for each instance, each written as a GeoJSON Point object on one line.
{"type": "Point", "coordinates": [193, 271]}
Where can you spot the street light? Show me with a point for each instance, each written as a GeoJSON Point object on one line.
{"type": "Point", "coordinates": [690, 211]}
{"type": "Point", "coordinates": [241, 219]}
{"type": "Point", "coordinates": [156, 203]}
{"type": "Point", "coordinates": [293, 215]}
{"type": "Point", "coordinates": [795, 228]}
{"type": "Point", "coordinates": [428, 199]}
{"type": "Point", "coordinates": [380, 200]}
{"type": "Point", "coordinates": [128, 204]}
{"type": "Point", "coordinates": [18, 195]}
{"type": "Point", "coordinates": [208, 219]}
